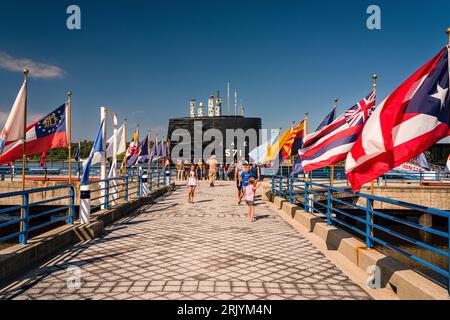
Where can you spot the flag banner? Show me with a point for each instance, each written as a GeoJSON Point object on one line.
{"type": "Point", "coordinates": [293, 136]}
{"type": "Point", "coordinates": [121, 144]}
{"type": "Point", "coordinates": [95, 156]}
{"type": "Point", "coordinates": [331, 144]}
{"type": "Point", "coordinates": [14, 126]}
{"type": "Point", "coordinates": [421, 159]}
{"type": "Point", "coordinates": [45, 134]}
{"type": "Point", "coordinates": [328, 120]}
{"type": "Point", "coordinates": [77, 153]}
{"type": "Point", "coordinates": [258, 154]}
{"type": "Point", "coordinates": [447, 167]}
{"type": "Point", "coordinates": [298, 167]}
{"type": "Point", "coordinates": [412, 119]}
{"type": "Point", "coordinates": [142, 157]}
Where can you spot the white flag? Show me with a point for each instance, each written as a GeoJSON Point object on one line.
{"type": "Point", "coordinates": [14, 126]}
{"type": "Point", "coordinates": [120, 143]}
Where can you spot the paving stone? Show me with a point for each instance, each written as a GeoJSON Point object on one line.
{"type": "Point", "coordinates": [208, 250]}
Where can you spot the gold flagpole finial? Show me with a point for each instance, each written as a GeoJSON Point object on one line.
{"type": "Point", "coordinates": [374, 79]}
{"type": "Point", "coordinates": [69, 94]}
{"type": "Point", "coordinates": [25, 73]}
{"type": "Point", "coordinates": [336, 99]}
{"type": "Point", "coordinates": [448, 34]}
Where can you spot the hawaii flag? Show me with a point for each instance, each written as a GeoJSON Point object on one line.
{"type": "Point", "coordinates": [412, 119]}
{"type": "Point", "coordinates": [14, 126]}
{"type": "Point", "coordinates": [332, 142]}
{"type": "Point", "coordinates": [43, 135]}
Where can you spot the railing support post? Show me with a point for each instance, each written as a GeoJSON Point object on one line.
{"type": "Point", "coordinates": [106, 194]}
{"type": "Point", "coordinates": [273, 184]}
{"type": "Point", "coordinates": [164, 178]}
{"type": "Point", "coordinates": [280, 181]}
{"type": "Point", "coordinates": [138, 193]}
{"type": "Point", "coordinates": [159, 178]}
{"type": "Point", "coordinates": [306, 197]}
{"type": "Point", "coordinates": [126, 188]}
{"type": "Point", "coordinates": [329, 207]}
{"type": "Point", "coordinates": [291, 182]}
{"type": "Point", "coordinates": [151, 182]}
{"type": "Point", "coordinates": [23, 237]}
{"type": "Point", "coordinates": [72, 205]}
{"type": "Point", "coordinates": [448, 258]}
{"type": "Point", "coordinates": [369, 242]}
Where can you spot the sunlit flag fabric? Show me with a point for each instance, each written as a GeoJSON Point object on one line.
{"type": "Point", "coordinates": [412, 119]}
{"type": "Point", "coordinates": [143, 151]}
{"type": "Point", "coordinates": [328, 120]}
{"type": "Point", "coordinates": [447, 167]}
{"type": "Point", "coordinates": [259, 153]}
{"type": "Point", "coordinates": [298, 167]}
{"type": "Point", "coordinates": [331, 144]}
{"type": "Point", "coordinates": [121, 144]}
{"type": "Point", "coordinates": [14, 126]}
{"type": "Point", "coordinates": [95, 156]}
{"type": "Point", "coordinates": [45, 134]}
{"type": "Point", "coordinates": [286, 144]}
{"type": "Point", "coordinates": [423, 162]}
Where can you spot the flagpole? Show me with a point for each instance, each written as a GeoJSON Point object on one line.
{"type": "Point", "coordinates": [374, 81]}
{"type": "Point", "coordinates": [332, 167]}
{"type": "Point", "coordinates": [78, 161]}
{"type": "Point", "coordinates": [149, 160]}
{"type": "Point", "coordinates": [69, 132]}
{"type": "Point", "coordinates": [103, 173]}
{"type": "Point", "coordinates": [24, 156]}
{"type": "Point", "coordinates": [124, 164]}
{"type": "Point", "coordinates": [306, 133]}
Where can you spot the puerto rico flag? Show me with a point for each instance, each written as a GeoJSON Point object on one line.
{"type": "Point", "coordinates": [412, 119]}
{"type": "Point", "coordinates": [331, 144]}
{"type": "Point", "coordinates": [43, 135]}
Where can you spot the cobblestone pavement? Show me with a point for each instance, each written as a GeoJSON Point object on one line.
{"type": "Point", "coordinates": [206, 250]}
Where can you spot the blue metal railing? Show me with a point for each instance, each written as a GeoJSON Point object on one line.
{"type": "Point", "coordinates": [26, 222]}
{"type": "Point", "coordinates": [103, 193]}
{"type": "Point", "coordinates": [342, 207]}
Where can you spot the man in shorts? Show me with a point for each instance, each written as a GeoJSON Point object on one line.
{"type": "Point", "coordinates": [244, 178]}
{"type": "Point", "coordinates": [212, 170]}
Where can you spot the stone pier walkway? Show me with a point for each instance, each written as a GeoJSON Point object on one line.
{"type": "Point", "coordinates": [206, 250]}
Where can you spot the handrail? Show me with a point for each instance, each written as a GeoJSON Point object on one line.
{"type": "Point", "coordinates": [112, 189]}
{"type": "Point", "coordinates": [324, 199]}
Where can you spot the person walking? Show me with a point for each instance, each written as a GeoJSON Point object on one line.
{"type": "Point", "coordinates": [244, 178]}
{"type": "Point", "coordinates": [226, 167]}
{"type": "Point", "coordinates": [212, 170]}
{"type": "Point", "coordinates": [238, 168]}
{"type": "Point", "coordinates": [250, 190]}
{"type": "Point", "coordinates": [200, 170]}
{"type": "Point", "coordinates": [192, 184]}
{"type": "Point", "coordinates": [179, 170]}
{"type": "Point", "coordinates": [221, 172]}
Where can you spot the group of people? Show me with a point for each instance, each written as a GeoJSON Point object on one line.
{"type": "Point", "coordinates": [246, 177]}
{"type": "Point", "coordinates": [203, 171]}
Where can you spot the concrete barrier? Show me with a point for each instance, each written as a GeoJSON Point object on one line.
{"type": "Point", "coordinates": [18, 259]}
{"type": "Point", "coordinates": [405, 282]}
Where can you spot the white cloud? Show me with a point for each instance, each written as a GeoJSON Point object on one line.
{"type": "Point", "coordinates": [37, 70]}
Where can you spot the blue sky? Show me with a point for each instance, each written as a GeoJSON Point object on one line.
{"type": "Point", "coordinates": [146, 59]}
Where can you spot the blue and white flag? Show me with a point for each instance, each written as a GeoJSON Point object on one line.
{"type": "Point", "coordinates": [298, 167]}
{"type": "Point", "coordinates": [328, 120]}
{"type": "Point", "coordinates": [447, 167]}
{"type": "Point", "coordinates": [423, 162]}
{"type": "Point", "coordinates": [95, 156]}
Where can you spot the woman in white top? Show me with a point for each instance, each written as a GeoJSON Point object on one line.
{"type": "Point", "coordinates": [192, 184]}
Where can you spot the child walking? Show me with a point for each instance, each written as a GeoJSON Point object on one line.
{"type": "Point", "coordinates": [192, 184]}
{"type": "Point", "coordinates": [250, 190]}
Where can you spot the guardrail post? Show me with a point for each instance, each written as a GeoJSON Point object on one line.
{"type": "Point", "coordinates": [448, 258]}
{"type": "Point", "coordinates": [273, 184]}
{"type": "Point", "coordinates": [159, 178]}
{"type": "Point", "coordinates": [280, 181]}
{"type": "Point", "coordinates": [369, 242]}
{"type": "Point", "coordinates": [138, 192]}
{"type": "Point", "coordinates": [85, 204]}
{"type": "Point", "coordinates": [126, 188]}
{"type": "Point", "coordinates": [23, 237]}
{"type": "Point", "coordinates": [329, 207]}
{"type": "Point", "coordinates": [291, 182]}
{"type": "Point", "coordinates": [72, 205]}
{"type": "Point", "coordinates": [164, 177]}
{"type": "Point", "coordinates": [106, 194]}
{"type": "Point", "coordinates": [151, 182]}
{"type": "Point", "coordinates": [306, 197]}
